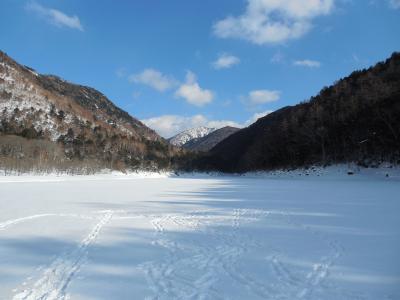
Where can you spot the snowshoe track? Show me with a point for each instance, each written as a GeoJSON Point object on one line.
{"type": "Point", "coordinates": [12, 222]}
{"type": "Point", "coordinates": [56, 278]}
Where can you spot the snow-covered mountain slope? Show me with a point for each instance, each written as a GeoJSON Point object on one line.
{"type": "Point", "coordinates": [188, 135]}
{"type": "Point", "coordinates": [207, 142]}
{"type": "Point", "coordinates": [80, 121]}
{"type": "Point", "coordinates": [53, 105]}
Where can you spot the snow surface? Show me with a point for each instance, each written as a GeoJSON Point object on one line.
{"type": "Point", "coordinates": [325, 235]}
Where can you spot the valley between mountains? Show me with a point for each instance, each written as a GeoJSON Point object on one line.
{"type": "Point", "coordinates": [49, 125]}
{"type": "Point", "coordinates": [301, 204]}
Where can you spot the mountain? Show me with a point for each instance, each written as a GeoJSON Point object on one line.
{"type": "Point", "coordinates": [47, 122]}
{"type": "Point", "coordinates": [186, 136]}
{"type": "Point", "coordinates": [355, 120]}
{"type": "Point", "coordinates": [210, 140]}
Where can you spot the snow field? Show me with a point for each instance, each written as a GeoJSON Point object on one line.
{"type": "Point", "coordinates": [198, 237]}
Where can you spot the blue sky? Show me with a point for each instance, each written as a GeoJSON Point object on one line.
{"type": "Point", "coordinates": [181, 64]}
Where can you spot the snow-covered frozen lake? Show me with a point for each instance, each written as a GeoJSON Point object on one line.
{"type": "Point", "coordinates": [120, 237]}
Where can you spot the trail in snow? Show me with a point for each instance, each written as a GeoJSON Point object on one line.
{"type": "Point", "coordinates": [222, 238]}
{"type": "Point", "coordinates": [294, 286]}
{"type": "Point", "coordinates": [320, 269]}
{"type": "Point", "coordinates": [209, 261]}
{"type": "Point", "coordinates": [222, 258]}
{"type": "Point", "coordinates": [12, 222]}
{"type": "Point", "coordinates": [213, 261]}
{"type": "Point", "coordinates": [52, 285]}
{"type": "Point", "coordinates": [234, 247]}
{"type": "Point", "coordinates": [8, 223]}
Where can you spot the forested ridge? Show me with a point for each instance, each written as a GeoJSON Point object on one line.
{"type": "Point", "coordinates": [355, 120]}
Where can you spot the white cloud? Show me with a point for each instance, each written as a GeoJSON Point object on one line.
{"type": "Point", "coordinates": [193, 93]}
{"type": "Point", "coordinates": [225, 61]}
{"type": "Point", "coordinates": [273, 21]}
{"type": "Point", "coordinates": [169, 125]}
{"type": "Point", "coordinates": [259, 97]}
{"type": "Point", "coordinates": [307, 63]}
{"type": "Point", "coordinates": [395, 4]}
{"type": "Point", "coordinates": [154, 79]}
{"type": "Point", "coordinates": [222, 123]}
{"type": "Point", "coordinates": [55, 17]}
{"type": "Point", "coordinates": [256, 116]}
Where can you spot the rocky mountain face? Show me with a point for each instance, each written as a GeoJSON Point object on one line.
{"type": "Point", "coordinates": [70, 124]}
{"type": "Point", "coordinates": [207, 142]}
{"type": "Point", "coordinates": [186, 136]}
{"type": "Point", "coordinates": [355, 120]}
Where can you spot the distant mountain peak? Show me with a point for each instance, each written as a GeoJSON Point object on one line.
{"type": "Point", "coordinates": [190, 134]}
{"type": "Point", "coordinates": [209, 141]}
